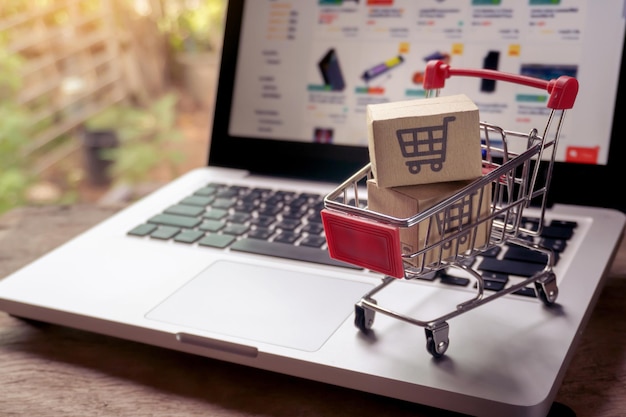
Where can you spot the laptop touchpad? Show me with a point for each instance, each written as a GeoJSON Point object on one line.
{"type": "Point", "coordinates": [270, 305]}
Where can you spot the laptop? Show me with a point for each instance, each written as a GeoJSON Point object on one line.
{"type": "Point", "coordinates": [199, 266]}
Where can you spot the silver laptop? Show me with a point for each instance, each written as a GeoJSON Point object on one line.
{"type": "Point", "coordinates": [201, 266]}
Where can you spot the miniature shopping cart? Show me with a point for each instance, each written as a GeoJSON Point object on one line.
{"type": "Point", "coordinates": [487, 212]}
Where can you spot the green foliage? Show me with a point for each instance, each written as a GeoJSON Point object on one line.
{"type": "Point", "coordinates": [16, 131]}
{"type": "Point", "coordinates": [196, 28]}
{"type": "Point", "coordinates": [146, 138]}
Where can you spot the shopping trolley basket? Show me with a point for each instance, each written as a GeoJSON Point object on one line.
{"type": "Point", "coordinates": [462, 225]}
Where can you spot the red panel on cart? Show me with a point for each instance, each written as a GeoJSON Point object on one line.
{"type": "Point", "coordinates": [365, 243]}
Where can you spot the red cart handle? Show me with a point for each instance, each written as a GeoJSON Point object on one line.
{"type": "Point", "coordinates": [562, 90]}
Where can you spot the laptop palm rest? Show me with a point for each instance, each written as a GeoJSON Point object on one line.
{"type": "Point", "coordinates": [291, 309]}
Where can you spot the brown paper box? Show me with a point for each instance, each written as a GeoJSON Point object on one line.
{"type": "Point", "coordinates": [424, 141]}
{"type": "Point", "coordinates": [406, 201]}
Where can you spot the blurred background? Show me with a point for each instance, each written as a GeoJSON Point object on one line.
{"type": "Point", "coordinates": [103, 100]}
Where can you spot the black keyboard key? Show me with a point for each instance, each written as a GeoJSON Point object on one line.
{"type": "Point", "coordinates": [240, 189]}
{"type": "Point", "coordinates": [288, 224]}
{"type": "Point", "coordinates": [520, 253]}
{"type": "Point", "coordinates": [175, 220]}
{"type": "Point", "coordinates": [453, 280]}
{"type": "Point", "coordinates": [494, 276]}
{"type": "Point", "coordinates": [249, 200]}
{"type": "Point", "coordinates": [526, 292]}
{"type": "Point", "coordinates": [263, 221]}
{"type": "Point", "coordinates": [493, 285]}
{"type": "Point", "coordinates": [313, 228]}
{"type": "Point", "coordinates": [286, 237]}
{"type": "Point", "coordinates": [564, 223]}
{"type": "Point", "coordinates": [315, 218]}
{"type": "Point", "coordinates": [429, 276]}
{"type": "Point", "coordinates": [293, 212]}
{"type": "Point", "coordinates": [270, 210]}
{"type": "Point", "coordinates": [261, 233]}
{"type": "Point", "coordinates": [273, 200]}
{"type": "Point", "coordinates": [314, 241]}
{"type": "Point", "coordinates": [245, 207]}
{"type": "Point", "coordinates": [260, 193]}
{"type": "Point", "coordinates": [284, 195]}
{"type": "Point", "coordinates": [297, 203]}
{"type": "Point", "coordinates": [510, 267]}
{"type": "Point", "coordinates": [318, 206]}
{"type": "Point", "coordinates": [557, 232]}
{"type": "Point", "coordinates": [282, 250]}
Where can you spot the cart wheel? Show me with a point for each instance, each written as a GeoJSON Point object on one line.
{"type": "Point", "coordinates": [414, 166]}
{"type": "Point", "coordinates": [364, 317]}
{"type": "Point", "coordinates": [437, 340]}
{"type": "Point", "coordinates": [547, 290]}
{"type": "Point", "coordinates": [432, 349]}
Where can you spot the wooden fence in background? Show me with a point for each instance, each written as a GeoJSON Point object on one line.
{"type": "Point", "coordinates": [80, 56]}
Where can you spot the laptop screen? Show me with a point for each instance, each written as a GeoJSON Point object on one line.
{"type": "Point", "coordinates": [296, 78]}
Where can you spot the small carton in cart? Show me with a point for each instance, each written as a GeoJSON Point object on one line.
{"type": "Point", "coordinates": [424, 141]}
{"type": "Point", "coordinates": [450, 232]}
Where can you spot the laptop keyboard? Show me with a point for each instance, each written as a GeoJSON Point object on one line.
{"type": "Point", "coordinates": [255, 220]}
{"type": "Point", "coordinates": [288, 225]}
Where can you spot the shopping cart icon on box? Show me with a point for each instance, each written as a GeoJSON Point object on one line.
{"type": "Point", "coordinates": [457, 218]}
{"type": "Point", "coordinates": [427, 145]}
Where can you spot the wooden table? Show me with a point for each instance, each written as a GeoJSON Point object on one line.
{"type": "Point", "coordinates": [49, 370]}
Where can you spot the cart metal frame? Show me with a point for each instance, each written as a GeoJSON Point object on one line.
{"type": "Point", "coordinates": [360, 236]}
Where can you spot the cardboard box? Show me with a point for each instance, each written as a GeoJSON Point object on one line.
{"type": "Point", "coordinates": [407, 201]}
{"type": "Point", "coordinates": [424, 141]}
